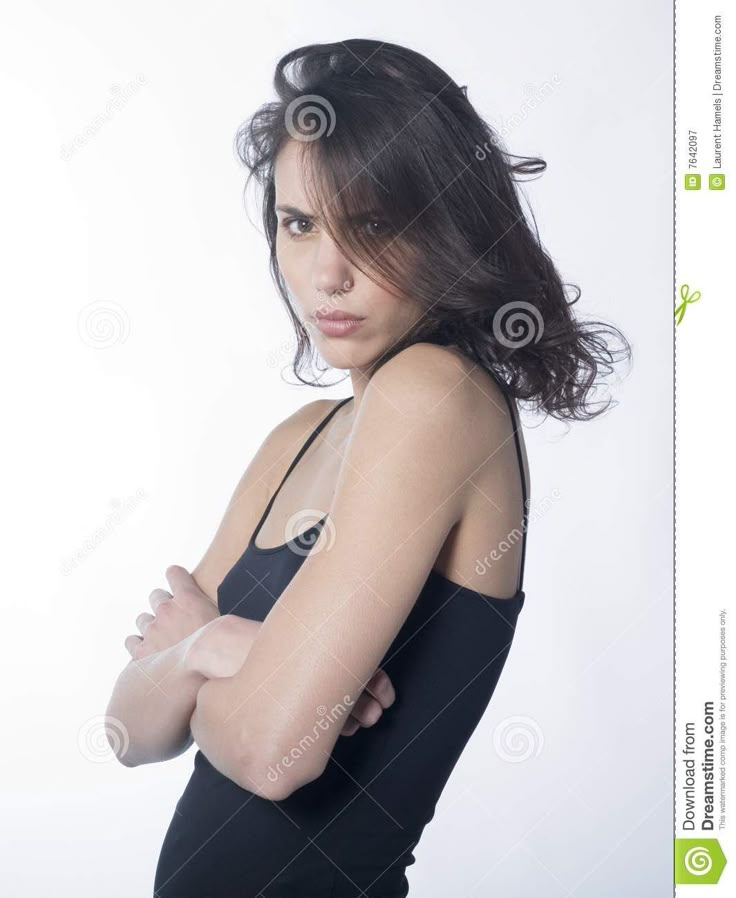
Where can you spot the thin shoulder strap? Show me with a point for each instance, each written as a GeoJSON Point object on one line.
{"type": "Point", "coordinates": [310, 439]}
{"type": "Point", "coordinates": [524, 526]}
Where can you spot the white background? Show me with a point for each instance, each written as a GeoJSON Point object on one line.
{"type": "Point", "coordinates": [147, 216]}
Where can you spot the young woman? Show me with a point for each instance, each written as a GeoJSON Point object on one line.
{"type": "Point", "coordinates": [332, 668]}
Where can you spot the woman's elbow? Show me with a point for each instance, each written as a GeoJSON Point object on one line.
{"type": "Point", "coordinates": [117, 734]}
{"type": "Point", "coordinates": [275, 775]}
{"type": "Point", "coordinates": [119, 743]}
{"type": "Point", "coordinates": [122, 747]}
{"type": "Point", "coordinates": [132, 751]}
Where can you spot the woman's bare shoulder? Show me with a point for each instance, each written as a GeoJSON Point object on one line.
{"type": "Point", "coordinates": [280, 444]}
{"type": "Point", "coordinates": [281, 437]}
{"type": "Point", "coordinates": [253, 491]}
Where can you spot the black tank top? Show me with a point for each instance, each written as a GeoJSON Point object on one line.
{"type": "Point", "coordinates": [350, 832]}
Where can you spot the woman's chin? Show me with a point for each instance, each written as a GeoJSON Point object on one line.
{"type": "Point", "coordinates": [344, 352]}
{"type": "Point", "coordinates": [344, 360]}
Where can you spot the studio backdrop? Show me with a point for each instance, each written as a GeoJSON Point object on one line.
{"type": "Point", "coordinates": [147, 354]}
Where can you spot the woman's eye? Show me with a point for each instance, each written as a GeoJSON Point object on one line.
{"type": "Point", "coordinates": [288, 222]}
{"type": "Point", "coordinates": [375, 227]}
{"type": "Point", "coordinates": [298, 227]}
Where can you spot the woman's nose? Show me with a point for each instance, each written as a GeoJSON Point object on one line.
{"type": "Point", "coordinates": [331, 271]}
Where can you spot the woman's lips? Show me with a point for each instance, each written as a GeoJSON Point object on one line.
{"type": "Point", "coordinates": [338, 327]}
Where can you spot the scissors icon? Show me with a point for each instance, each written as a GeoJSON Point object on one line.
{"type": "Point", "coordinates": [687, 298]}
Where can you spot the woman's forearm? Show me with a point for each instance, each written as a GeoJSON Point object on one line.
{"type": "Point", "coordinates": [154, 698]}
{"type": "Point", "coordinates": [151, 705]}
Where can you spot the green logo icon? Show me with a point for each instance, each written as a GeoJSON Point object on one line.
{"type": "Point", "coordinates": [687, 298]}
{"type": "Point", "coordinates": [698, 861]}
{"type": "Point", "coordinates": [716, 182]}
{"type": "Point", "coordinates": [692, 182]}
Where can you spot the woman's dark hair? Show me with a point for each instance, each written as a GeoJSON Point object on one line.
{"type": "Point", "coordinates": [385, 134]}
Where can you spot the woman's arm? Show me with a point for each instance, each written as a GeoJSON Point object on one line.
{"type": "Point", "coordinates": [154, 694]}
{"type": "Point", "coordinates": [154, 697]}
{"type": "Point", "coordinates": [421, 432]}
{"type": "Point", "coordinates": [217, 650]}
{"type": "Point", "coordinates": [151, 704]}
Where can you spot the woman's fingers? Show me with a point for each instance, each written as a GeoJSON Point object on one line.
{"type": "Point", "coordinates": [350, 726]}
{"type": "Point", "coordinates": [381, 688]}
{"type": "Point", "coordinates": [131, 642]}
{"type": "Point", "coordinates": [158, 596]}
{"type": "Point", "coordinates": [378, 694]}
{"type": "Point", "coordinates": [179, 578]}
{"type": "Point", "coordinates": [142, 621]}
{"type": "Point", "coordinates": [367, 710]}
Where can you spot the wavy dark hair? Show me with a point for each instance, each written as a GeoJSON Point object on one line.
{"type": "Point", "coordinates": [387, 136]}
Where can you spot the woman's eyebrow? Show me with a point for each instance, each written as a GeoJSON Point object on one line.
{"type": "Point", "coordinates": [293, 210]}
{"type": "Point", "coordinates": [357, 218]}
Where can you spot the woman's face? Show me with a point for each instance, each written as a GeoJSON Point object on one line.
{"type": "Point", "coordinates": [322, 282]}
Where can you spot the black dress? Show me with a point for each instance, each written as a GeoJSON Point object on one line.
{"type": "Point", "coordinates": [350, 832]}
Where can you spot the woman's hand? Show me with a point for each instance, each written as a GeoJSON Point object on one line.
{"type": "Point", "coordinates": [377, 695]}
{"type": "Point", "coordinates": [177, 614]}
{"type": "Point", "coordinates": [219, 648]}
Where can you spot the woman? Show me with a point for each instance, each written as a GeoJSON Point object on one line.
{"type": "Point", "coordinates": [400, 249]}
